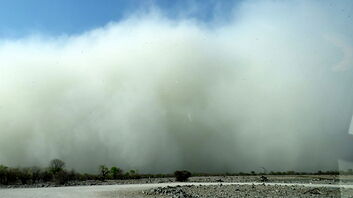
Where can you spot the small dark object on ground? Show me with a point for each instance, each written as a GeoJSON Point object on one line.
{"type": "Point", "coordinates": [219, 180]}
{"type": "Point", "coordinates": [182, 176]}
{"type": "Point", "coordinates": [314, 191]}
{"type": "Point", "coordinates": [263, 179]}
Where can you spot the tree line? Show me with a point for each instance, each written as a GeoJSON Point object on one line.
{"type": "Point", "coordinates": [57, 174]}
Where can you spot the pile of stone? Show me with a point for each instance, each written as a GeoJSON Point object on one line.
{"type": "Point", "coordinates": [170, 191]}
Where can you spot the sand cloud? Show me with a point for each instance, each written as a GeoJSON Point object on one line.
{"type": "Point", "coordinates": [270, 88]}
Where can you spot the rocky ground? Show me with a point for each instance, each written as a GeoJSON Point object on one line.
{"type": "Point", "coordinates": [320, 179]}
{"type": "Point", "coordinates": [263, 190]}
{"type": "Point", "coordinates": [228, 191]}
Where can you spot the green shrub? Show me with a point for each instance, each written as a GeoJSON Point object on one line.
{"type": "Point", "coordinates": [104, 172]}
{"type": "Point", "coordinates": [116, 172]}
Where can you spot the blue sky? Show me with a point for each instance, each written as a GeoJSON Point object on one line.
{"type": "Point", "coordinates": [54, 17]}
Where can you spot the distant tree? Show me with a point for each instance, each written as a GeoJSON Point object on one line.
{"type": "Point", "coordinates": [104, 171]}
{"type": "Point", "coordinates": [115, 172]}
{"type": "Point", "coordinates": [182, 176]}
{"type": "Point", "coordinates": [56, 165]}
{"type": "Point", "coordinates": [132, 172]}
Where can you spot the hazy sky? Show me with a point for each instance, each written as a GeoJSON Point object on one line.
{"type": "Point", "coordinates": [165, 85]}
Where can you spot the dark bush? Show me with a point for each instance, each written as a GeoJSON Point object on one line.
{"type": "Point", "coordinates": [61, 177]}
{"type": "Point", "coordinates": [36, 174]}
{"type": "Point", "coordinates": [3, 174]}
{"type": "Point", "coordinates": [13, 175]}
{"type": "Point", "coordinates": [74, 176]}
{"type": "Point", "coordinates": [182, 176]}
{"type": "Point", "coordinates": [46, 176]}
{"type": "Point", "coordinates": [25, 175]}
{"type": "Point", "coordinates": [89, 177]}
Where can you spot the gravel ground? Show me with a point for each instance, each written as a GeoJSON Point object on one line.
{"type": "Point", "coordinates": [228, 191]}
{"type": "Point", "coordinates": [319, 179]}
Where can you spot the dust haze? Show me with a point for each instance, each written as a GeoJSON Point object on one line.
{"type": "Point", "coordinates": [272, 86]}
